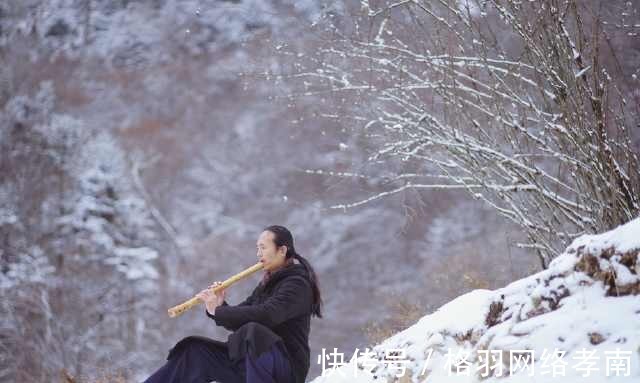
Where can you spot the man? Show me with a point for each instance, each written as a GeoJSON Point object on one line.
{"type": "Point", "coordinates": [270, 338]}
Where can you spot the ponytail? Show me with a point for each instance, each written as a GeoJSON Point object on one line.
{"type": "Point", "coordinates": [316, 308]}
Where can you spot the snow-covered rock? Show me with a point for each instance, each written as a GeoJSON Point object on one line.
{"type": "Point", "coordinates": [578, 321]}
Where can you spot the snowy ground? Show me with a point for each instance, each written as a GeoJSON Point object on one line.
{"type": "Point", "coordinates": [584, 308]}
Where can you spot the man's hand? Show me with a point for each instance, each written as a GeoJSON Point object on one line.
{"type": "Point", "coordinates": [210, 299]}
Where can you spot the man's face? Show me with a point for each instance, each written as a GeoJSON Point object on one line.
{"type": "Point", "coordinates": [270, 257]}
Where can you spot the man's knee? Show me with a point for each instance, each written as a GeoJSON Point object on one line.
{"type": "Point", "coordinates": [254, 326]}
{"type": "Point", "coordinates": [189, 342]}
{"type": "Point", "coordinates": [251, 337]}
{"type": "Point", "coordinates": [192, 340]}
{"type": "Point", "coordinates": [253, 329]}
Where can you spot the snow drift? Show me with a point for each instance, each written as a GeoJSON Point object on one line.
{"type": "Point", "coordinates": [577, 321]}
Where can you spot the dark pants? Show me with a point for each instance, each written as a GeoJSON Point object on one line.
{"type": "Point", "coordinates": [198, 359]}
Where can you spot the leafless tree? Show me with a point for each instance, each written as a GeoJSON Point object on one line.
{"type": "Point", "coordinates": [523, 104]}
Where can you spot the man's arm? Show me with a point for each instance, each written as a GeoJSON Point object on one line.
{"type": "Point", "coordinates": [246, 302]}
{"type": "Point", "coordinates": [292, 298]}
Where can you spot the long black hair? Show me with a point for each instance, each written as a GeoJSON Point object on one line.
{"type": "Point", "coordinates": [283, 237]}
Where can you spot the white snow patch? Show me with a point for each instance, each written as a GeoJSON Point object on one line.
{"type": "Point", "coordinates": [560, 309]}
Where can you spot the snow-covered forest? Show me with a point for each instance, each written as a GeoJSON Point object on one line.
{"type": "Point", "coordinates": [417, 150]}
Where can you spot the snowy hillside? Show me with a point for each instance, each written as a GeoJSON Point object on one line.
{"type": "Point", "coordinates": [579, 321]}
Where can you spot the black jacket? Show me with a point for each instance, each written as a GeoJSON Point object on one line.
{"type": "Point", "coordinates": [283, 304]}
